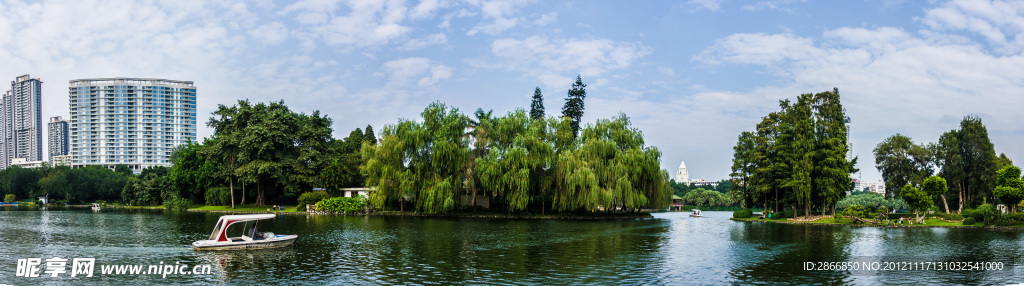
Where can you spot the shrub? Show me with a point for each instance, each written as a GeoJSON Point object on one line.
{"type": "Point", "coordinates": [101, 202]}
{"type": "Point", "coordinates": [219, 196]}
{"type": "Point", "coordinates": [969, 221]}
{"type": "Point", "coordinates": [9, 198]}
{"type": "Point", "coordinates": [854, 211]}
{"type": "Point", "coordinates": [177, 204]}
{"type": "Point", "coordinates": [744, 213]}
{"type": "Point", "coordinates": [342, 205]}
{"type": "Point", "coordinates": [989, 214]}
{"type": "Point", "coordinates": [310, 198]}
{"type": "Point", "coordinates": [789, 213]}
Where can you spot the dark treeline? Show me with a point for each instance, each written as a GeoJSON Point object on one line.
{"type": "Point", "coordinates": [796, 158]}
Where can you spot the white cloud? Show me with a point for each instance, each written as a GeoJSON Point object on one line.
{"type": "Point", "coordinates": [546, 19]}
{"type": "Point", "coordinates": [272, 33]}
{"type": "Point", "coordinates": [1001, 23]}
{"type": "Point", "coordinates": [403, 71]}
{"type": "Point", "coordinates": [366, 23]}
{"type": "Point", "coordinates": [553, 61]}
{"type": "Point", "coordinates": [420, 43]}
{"type": "Point", "coordinates": [773, 5]}
{"type": "Point", "coordinates": [710, 5]}
{"type": "Point", "coordinates": [501, 13]}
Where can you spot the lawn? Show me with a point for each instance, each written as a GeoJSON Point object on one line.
{"type": "Point", "coordinates": [246, 208]}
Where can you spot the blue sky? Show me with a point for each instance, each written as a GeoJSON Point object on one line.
{"type": "Point", "coordinates": [691, 75]}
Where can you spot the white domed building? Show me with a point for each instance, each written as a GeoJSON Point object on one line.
{"type": "Point", "coordinates": [682, 176]}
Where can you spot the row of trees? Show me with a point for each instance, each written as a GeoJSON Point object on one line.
{"type": "Point", "coordinates": [519, 161]}
{"type": "Point", "coordinates": [796, 158]}
{"type": "Point", "coordinates": [263, 152]}
{"type": "Point", "coordinates": [963, 158]}
{"type": "Point", "coordinates": [63, 183]}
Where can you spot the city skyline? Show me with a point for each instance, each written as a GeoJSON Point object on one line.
{"type": "Point", "coordinates": [691, 75]}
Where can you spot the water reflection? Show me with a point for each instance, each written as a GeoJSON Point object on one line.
{"type": "Point", "coordinates": [672, 248]}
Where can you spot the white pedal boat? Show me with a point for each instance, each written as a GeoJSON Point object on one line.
{"type": "Point", "coordinates": [251, 237]}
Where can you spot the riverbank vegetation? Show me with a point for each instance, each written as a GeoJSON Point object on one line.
{"type": "Point", "coordinates": [265, 153]}
{"type": "Point", "coordinates": [796, 158]}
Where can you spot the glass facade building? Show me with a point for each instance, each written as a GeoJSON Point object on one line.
{"type": "Point", "coordinates": [135, 122]}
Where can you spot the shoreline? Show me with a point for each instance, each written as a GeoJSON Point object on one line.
{"type": "Point", "coordinates": [991, 227]}
{"type": "Point", "coordinates": [602, 216]}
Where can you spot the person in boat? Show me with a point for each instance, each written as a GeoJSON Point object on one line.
{"type": "Point", "coordinates": [256, 233]}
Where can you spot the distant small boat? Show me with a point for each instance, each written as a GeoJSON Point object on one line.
{"type": "Point", "coordinates": [696, 213]}
{"type": "Point", "coordinates": [251, 237]}
{"type": "Point", "coordinates": [95, 206]}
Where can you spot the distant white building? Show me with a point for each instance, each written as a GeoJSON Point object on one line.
{"type": "Point", "coordinates": [22, 162]}
{"type": "Point", "coordinates": [682, 176]}
{"type": "Point", "coordinates": [703, 183]}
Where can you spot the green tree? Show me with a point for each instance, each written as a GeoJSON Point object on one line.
{"type": "Point", "coordinates": [1009, 186]}
{"type": "Point", "coordinates": [271, 146]}
{"type": "Point", "coordinates": [424, 161]}
{"type": "Point", "coordinates": [966, 159]}
{"type": "Point", "coordinates": [368, 135]}
{"type": "Point", "coordinates": [56, 182]}
{"type": "Point", "coordinates": [190, 177]}
{"type": "Point", "coordinates": [123, 170]}
{"type": "Point", "coordinates": [516, 159]}
{"type": "Point", "coordinates": [832, 169]}
{"type": "Point", "coordinates": [706, 198]}
{"type": "Point", "coordinates": [537, 105]}
{"type": "Point", "coordinates": [743, 159]}
{"type": "Point", "coordinates": [573, 108]}
{"type": "Point", "coordinates": [979, 158]}
{"type": "Point", "coordinates": [936, 187]}
{"type": "Point", "coordinates": [901, 162]}
{"type": "Point", "coordinates": [919, 201]}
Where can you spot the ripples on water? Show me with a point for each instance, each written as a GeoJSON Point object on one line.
{"type": "Point", "coordinates": [670, 249]}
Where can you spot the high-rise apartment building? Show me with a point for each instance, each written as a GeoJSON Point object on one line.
{"type": "Point", "coordinates": [57, 143]}
{"type": "Point", "coordinates": [135, 122]}
{"type": "Point", "coordinates": [21, 121]}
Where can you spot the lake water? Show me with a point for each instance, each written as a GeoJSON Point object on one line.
{"type": "Point", "coordinates": [671, 248]}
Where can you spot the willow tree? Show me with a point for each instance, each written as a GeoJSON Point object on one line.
{"type": "Point", "coordinates": [517, 158]}
{"type": "Point", "coordinates": [422, 161]}
{"type": "Point", "coordinates": [611, 167]}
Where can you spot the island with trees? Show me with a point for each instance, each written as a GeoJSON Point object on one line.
{"type": "Point", "coordinates": [793, 166]}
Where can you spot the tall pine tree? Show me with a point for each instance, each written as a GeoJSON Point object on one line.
{"type": "Point", "coordinates": [537, 105]}
{"type": "Point", "coordinates": [573, 108]}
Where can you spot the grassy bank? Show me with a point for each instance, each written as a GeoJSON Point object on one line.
{"type": "Point", "coordinates": [243, 208]}
{"type": "Point", "coordinates": [928, 222]}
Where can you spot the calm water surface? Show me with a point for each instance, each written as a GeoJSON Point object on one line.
{"type": "Point", "coordinates": [671, 248]}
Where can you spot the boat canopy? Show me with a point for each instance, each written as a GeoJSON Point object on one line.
{"type": "Point", "coordinates": [220, 231]}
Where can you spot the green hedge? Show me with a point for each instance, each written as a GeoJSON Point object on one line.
{"type": "Point", "coordinates": [742, 214]}
{"type": "Point", "coordinates": [969, 221]}
{"type": "Point", "coordinates": [9, 198]}
{"type": "Point", "coordinates": [177, 204]}
{"type": "Point", "coordinates": [310, 198]}
{"type": "Point", "coordinates": [342, 205]}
